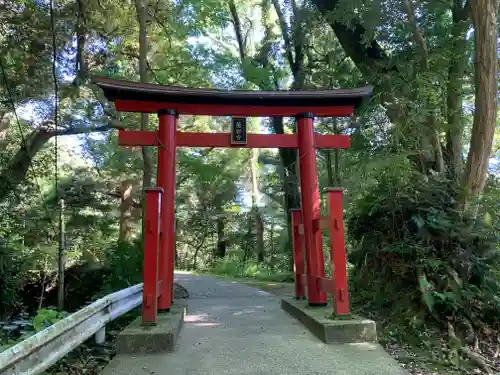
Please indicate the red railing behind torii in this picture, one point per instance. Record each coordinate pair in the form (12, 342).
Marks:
(151, 290)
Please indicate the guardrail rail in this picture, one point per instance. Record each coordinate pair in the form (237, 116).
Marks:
(40, 351)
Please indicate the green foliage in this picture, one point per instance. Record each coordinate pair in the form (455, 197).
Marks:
(125, 263)
(43, 319)
(46, 317)
(413, 248)
(8, 281)
(232, 266)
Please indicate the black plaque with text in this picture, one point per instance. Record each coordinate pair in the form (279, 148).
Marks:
(239, 131)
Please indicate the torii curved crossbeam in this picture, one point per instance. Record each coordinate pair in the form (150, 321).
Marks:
(142, 97)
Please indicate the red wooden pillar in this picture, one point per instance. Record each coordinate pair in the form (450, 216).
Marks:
(151, 255)
(337, 252)
(310, 209)
(298, 255)
(166, 180)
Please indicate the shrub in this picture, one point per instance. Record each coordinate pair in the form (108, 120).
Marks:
(125, 263)
(233, 266)
(413, 248)
(9, 280)
(47, 317)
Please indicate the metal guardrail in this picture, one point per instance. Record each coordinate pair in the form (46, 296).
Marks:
(40, 351)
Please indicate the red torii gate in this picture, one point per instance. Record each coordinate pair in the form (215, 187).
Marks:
(169, 102)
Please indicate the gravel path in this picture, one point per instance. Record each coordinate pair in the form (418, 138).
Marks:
(233, 329)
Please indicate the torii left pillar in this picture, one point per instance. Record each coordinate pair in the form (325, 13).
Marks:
(311, 212)
(166, 180)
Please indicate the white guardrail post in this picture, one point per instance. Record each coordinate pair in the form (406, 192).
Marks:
(40, 351)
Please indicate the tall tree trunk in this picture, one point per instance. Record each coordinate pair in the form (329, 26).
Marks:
(336, 155)
(80, 61)
(379, 69)
(259, 229)
(259, 224)
(290, 182)
(456, 72)
(194, 265)
(271, 238)
(220, 251)
(15, 171)
(329, 168)
(288, 156)
(295, 40)
(431, 133)
(126, 207)
(248, 238)
(368, 55)
(484, 17)
(176, 251)
(142, 13)
(436, 141)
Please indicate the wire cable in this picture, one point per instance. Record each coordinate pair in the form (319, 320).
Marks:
(56, 98)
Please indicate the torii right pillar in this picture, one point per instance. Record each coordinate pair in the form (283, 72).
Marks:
(311, 209)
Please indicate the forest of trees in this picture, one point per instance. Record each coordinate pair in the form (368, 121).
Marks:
(421, 179)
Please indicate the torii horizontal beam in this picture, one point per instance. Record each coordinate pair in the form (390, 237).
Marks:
(199, 139)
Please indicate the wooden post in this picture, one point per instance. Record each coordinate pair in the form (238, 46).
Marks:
(61, 259)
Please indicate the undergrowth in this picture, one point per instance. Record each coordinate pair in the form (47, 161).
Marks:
(9, 280)
(234, 267)
(421, 260)
(124, 261)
